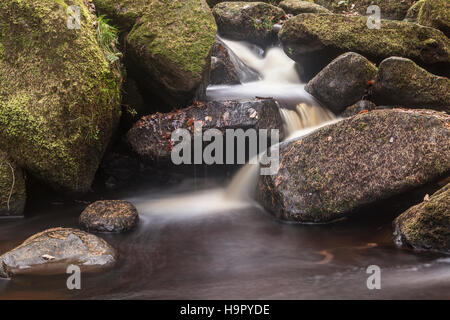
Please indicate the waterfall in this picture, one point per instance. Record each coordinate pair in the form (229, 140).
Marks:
(277, 78)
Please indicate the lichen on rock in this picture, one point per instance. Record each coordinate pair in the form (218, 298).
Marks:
(314, 40)
(426, 225)
(401, 82)
(346, 166)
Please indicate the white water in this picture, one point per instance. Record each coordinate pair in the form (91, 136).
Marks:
(276, 77)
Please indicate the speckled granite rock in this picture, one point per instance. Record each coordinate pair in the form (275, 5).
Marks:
(343, 82)
(358, 161)
(109, 216)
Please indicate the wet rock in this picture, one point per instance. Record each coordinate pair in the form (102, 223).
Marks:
(53, 250)
(358, 107)
(253, 21)
(56, 126)
(390, 9)
(314, 40)
(426, 225)
(151, 136)
(296, 7)
(118, 168)
(435, 14)
(222, 68)
(109, 216)
(356, 162)
(169, 50)
(401, 82)
(12, 188)
(343, 82)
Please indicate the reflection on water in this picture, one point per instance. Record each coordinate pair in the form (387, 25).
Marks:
(232, 253)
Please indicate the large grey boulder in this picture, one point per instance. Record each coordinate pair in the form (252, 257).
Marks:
(343, 82)
(314, 40)
(358, 161)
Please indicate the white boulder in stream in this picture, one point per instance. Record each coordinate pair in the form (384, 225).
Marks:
(52, 250)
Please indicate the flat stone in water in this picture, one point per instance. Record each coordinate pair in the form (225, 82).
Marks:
(57, 248)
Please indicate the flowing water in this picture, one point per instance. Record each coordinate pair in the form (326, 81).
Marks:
(207, 238)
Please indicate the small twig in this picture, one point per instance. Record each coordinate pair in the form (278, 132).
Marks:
(13, 183)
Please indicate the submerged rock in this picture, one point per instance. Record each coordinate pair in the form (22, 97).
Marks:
(343, 82)
(248, 21)
(390, 9)
(151, 136)
(403, 83)
(59, 97)
(222, 68)
(109, 216)
(12, 188)
(169, 50)
(426, 225)
(53, 250)
(298, 6)
(435, 14)
(356, 162)
(314, 40)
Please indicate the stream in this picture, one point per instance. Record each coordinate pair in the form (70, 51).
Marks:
(205, 238)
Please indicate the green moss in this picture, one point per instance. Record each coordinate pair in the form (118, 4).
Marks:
(435, 14)
(180, 31)
(426, 226)
(350, 33)
(46, 122)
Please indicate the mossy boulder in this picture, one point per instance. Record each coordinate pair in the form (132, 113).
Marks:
(212, 3)
(435, 14)
(314, 40)
(53, 250)
(248, 21)
(298, 6)
(390, 9)
(343, 82)
(124, 13)
(413, 11)
(59, 98)
(12, 188)
(169, 49)
(109, 216)
(401, 82)
(426, 226)
(346, 166)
